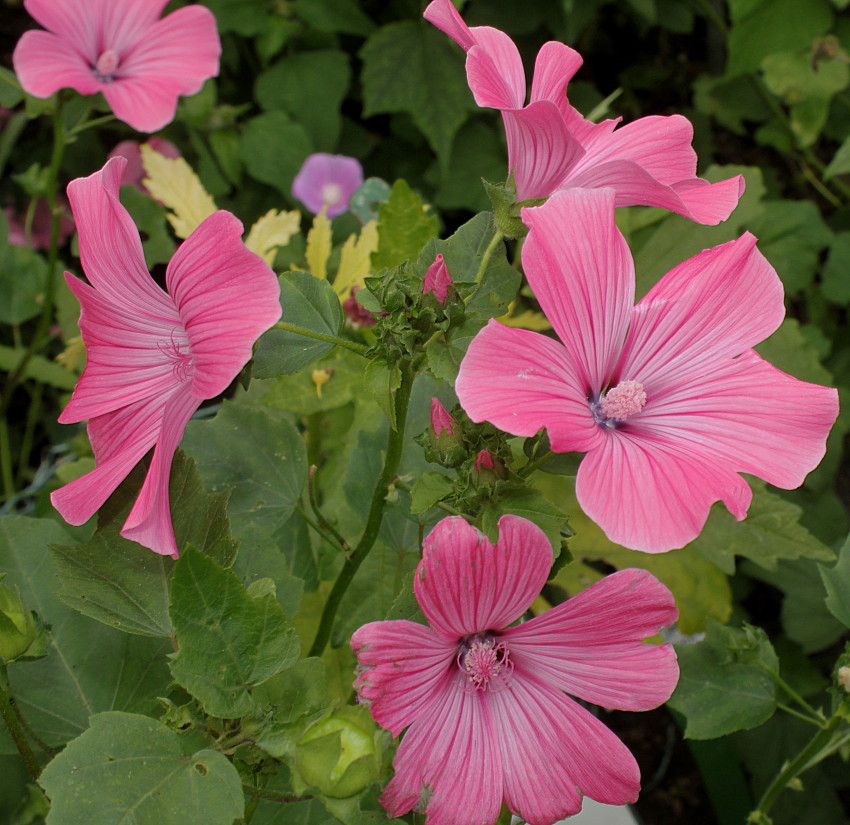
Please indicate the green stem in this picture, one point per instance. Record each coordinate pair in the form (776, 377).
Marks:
(360, 349)
(528, 469)
(488, 253)
(395, 445)
(273, 796)
(7, 711)
(821, 745)
(816, 716)
(90, 124)
(52, 257)
(804, 716)
(29, 431)
(6, 460)
(325, 525)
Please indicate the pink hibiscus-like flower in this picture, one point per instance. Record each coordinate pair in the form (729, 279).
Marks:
(153, 356)
(487, 720)
(327, 181)
(551, 146)
(121, 48)
(667, 398)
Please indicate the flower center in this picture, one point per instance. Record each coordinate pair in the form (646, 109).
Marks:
(178, 354)
(486, 663)
(619, 403)
(107, 63)
(331, 194)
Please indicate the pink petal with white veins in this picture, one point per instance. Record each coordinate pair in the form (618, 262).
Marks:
(119, 344)
(450, 757)
(227, 297)
(466, 585)
(74, 22)
(110, 247)
(750, 415)
(45, 63)
(540, 148)
(445, 16)
(591, 645)
(407, 665)
(120, 440)
(494, 70)
(554, 67)
(149, 522)
(551, 746)
(522, 381)
(581, 272)
(713, 306)
(123, 23)
(653, 493)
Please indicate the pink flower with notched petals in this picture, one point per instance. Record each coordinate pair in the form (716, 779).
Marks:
(551, 146)
(667, 398)
(121, 48)
(153, 356)
(487, 720)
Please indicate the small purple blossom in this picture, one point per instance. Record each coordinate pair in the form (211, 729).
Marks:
(327, 181)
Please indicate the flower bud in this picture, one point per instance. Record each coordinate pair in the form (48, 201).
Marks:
(356, 312)
(338, 754)
(487, 469)
(18, 630)
(443, 440)
(438, 280)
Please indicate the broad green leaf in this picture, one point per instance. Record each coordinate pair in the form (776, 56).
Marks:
(405, 605)
(724, 685)
(257, 453)
(764, 27)
(310, 86)
(835, 283)
(89, 667)
(411, 67)
(381, 381)
(332, 16)
(131, 769)
(791, 235)
(788, 349)
(245, 17)
(770, 532)
(228, 640)
(404, 226)
(37, 368)
(23, 273)
(273, 148)
(11, 93)
(840, 163)
(149, 216)
(836, 580)
(530, 504)
(307, 302)
(427, 490)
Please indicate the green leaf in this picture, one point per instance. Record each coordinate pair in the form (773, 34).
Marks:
(792, 352)
(38, 368)
(405, 605)
(228, 641)
(309, 86)
(129, 768)
(840, 163)
(273, 148)
(427, 490)
(23, 273)
(332, 16)
(257, 453)
(411, 67)
(11, 93)
(723, 686)
(791, 235)
(836, 580)
(770, 532)
(149, 216)
(245, 17)
(764, 27)
(530, 504)
(834, 281)
(89, 667)
(381, 381)
(307, 302)
(403, 227)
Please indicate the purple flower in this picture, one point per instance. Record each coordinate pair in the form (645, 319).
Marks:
(327, 181)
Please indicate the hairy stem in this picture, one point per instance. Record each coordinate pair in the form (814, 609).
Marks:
(395, 444)
(16, 730)
(360, 349)
(488, 253)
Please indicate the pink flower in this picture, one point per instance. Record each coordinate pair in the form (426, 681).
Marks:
(437, 279)
(667, 398)
(135, 170)
(551, 146)
(154, 356)
(483, 703)
(121, 48)
(329, 181)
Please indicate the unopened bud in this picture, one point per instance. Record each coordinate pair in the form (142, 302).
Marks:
(320, 377)
(440, 418)
(438, 280)
(356, 312)
(843, 676)
(443, 440)
(19, 633)
(487, 469)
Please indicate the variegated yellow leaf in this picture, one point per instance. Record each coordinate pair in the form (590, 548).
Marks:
(354, 261)
(272, 231)
(172, 181)
(319, 245)
(525, 320)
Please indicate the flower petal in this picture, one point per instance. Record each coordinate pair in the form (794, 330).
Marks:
(73, 22)
(522, 381)
(110, 247)
(540, 148)
(227, 296)
(406, 666)
(125, 359)
(44, 63)
(591, 645)
(749, 415)
(467, 585)
(123, 23)
(552, 746)
(713, 306)
(580, 269)
(653, 493)
(149, 522)
(120, 440)
(450, 758)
